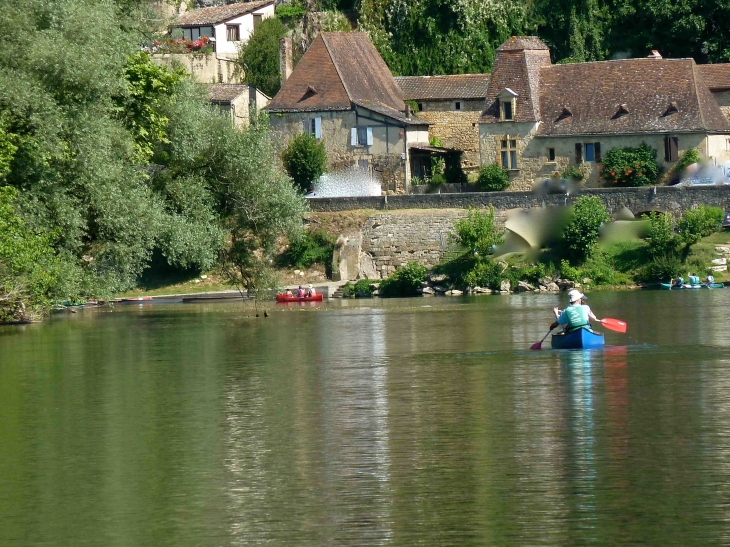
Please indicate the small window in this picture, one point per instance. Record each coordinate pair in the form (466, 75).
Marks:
(590, 152)
(313, 126)
(509, 154)
(257, 18)
(361, 136)
(506, 111)
(457, 105)
(551, 154)
(232, 34)
(420, 107)
(671, 148)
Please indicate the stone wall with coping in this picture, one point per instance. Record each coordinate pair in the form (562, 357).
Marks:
(418, 227)
(671, 199)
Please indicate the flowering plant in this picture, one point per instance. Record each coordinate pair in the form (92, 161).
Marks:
(630, 166)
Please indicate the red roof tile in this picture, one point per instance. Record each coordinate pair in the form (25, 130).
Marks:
(219, 14)
(460, 86)
(716, 77)
(594, 93)
(338, 69)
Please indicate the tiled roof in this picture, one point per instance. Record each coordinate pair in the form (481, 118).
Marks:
(594, 93)
(338, 69)
(219, 14)
(461, 86)
(394, 114)
(717, 77)
(225, 93)
(517, 67)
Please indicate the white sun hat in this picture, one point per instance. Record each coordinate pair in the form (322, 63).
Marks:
(575, 295)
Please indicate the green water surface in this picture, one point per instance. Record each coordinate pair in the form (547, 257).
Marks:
(379, 422)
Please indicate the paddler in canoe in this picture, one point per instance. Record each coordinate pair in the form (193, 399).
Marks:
(576, 316)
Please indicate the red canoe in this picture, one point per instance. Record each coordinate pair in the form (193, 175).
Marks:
(284, 298)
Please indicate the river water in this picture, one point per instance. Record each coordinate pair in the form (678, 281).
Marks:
(367, 422)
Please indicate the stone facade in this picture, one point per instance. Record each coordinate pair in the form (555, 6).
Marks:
(456, 129)
(532, 151)
(391, 240)
(386, 156)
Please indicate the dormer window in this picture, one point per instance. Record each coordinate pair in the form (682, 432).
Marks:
(566, 113)
(507, 100)
(621, 110)
(671, 109)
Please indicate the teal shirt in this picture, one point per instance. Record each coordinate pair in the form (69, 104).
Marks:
(575, 316)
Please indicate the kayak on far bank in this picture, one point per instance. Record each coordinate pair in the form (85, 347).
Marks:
(670, 286)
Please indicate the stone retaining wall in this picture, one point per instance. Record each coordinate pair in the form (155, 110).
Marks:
(670, 199)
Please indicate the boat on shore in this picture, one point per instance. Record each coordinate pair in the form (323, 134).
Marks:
(582, 338)
(286, 298)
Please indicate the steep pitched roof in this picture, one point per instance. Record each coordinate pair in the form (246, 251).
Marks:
(338, 69)
(717, 77)
(225, 93)
(459, 86)
(627, 96)
(219, 14)
(517, 67)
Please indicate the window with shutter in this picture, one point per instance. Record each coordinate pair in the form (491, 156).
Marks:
(318, 128)
(257, 18)
(671, 148)
(597, 151)
(362, 136)
(578, 153)
(589, 155)
(369, 137)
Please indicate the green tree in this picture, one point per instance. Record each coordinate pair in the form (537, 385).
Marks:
(258, 59)
(580, 236)
(478, 232)
(305, 159)
(149, 87)
(661, 237)
(699, 222)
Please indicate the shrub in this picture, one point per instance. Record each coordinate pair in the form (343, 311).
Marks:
(305, 160)
(688, 158)
(313, 247)
(662, 239)
(416, 181)
(661, 268)
(290, 11)
(573, 172)
(478, 231)
(630, 166)
(360, 289)
(581, 235)
(492, 178)
(484, 273)
(568, 271)
(699, 222)
(405, 281)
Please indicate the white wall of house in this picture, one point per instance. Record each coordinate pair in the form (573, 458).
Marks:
(245, 24)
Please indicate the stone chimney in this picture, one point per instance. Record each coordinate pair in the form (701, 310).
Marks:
(285, 59)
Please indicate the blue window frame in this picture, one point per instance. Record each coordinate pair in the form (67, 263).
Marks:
(590, 152)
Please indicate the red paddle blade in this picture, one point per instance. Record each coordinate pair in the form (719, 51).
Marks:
(614, 324)
(536, 345)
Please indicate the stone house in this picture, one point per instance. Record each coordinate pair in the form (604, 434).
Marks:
(237, 100)
(453, 105)
(227, 26)
(538, 118)
(343, 92)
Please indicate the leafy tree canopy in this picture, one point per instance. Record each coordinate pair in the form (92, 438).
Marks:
(258, 59)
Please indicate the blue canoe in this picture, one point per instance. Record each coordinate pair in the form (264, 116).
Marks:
(668, 286)
(578, 339)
